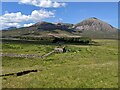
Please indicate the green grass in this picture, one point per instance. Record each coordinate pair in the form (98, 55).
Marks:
(80, 67)
(26, 48)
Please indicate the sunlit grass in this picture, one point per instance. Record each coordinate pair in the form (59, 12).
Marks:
(80, 67)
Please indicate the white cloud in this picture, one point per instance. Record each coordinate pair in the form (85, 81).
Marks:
(27, 25)
(43, 3)
(14, 19)
(41, 14)
(7, 25)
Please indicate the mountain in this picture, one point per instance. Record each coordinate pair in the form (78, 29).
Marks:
(94, 24)
(41, 29)
(91, 27)
(52, 26)
(10, 28)
(96, 28)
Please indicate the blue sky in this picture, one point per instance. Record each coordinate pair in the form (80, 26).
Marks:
(73, 12)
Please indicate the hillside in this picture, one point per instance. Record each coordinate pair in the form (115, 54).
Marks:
(91, 27)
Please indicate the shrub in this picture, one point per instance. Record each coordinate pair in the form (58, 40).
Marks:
(79, 40)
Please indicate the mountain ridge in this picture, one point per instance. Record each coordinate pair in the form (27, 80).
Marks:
(92, 25)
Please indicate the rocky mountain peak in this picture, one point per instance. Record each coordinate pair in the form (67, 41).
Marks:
(94, 24)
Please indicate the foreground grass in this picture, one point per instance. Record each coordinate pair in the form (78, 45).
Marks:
(80, 67)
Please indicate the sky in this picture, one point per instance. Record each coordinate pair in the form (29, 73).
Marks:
(26, 13)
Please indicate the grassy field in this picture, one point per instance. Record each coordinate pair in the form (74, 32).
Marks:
(82, 66)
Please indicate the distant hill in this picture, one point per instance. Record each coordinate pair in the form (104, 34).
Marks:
(10, 28)
(91, 27)
(52, 26)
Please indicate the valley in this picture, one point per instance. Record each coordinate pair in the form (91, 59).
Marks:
(90, 59)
